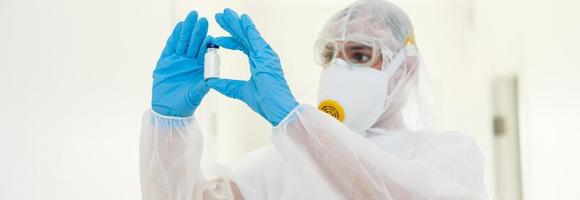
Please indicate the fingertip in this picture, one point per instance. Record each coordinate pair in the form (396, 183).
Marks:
(230, 11)
(203, 47)
(192, 16)
(208, 39)
(202, 23)
(246, 22)
(217, 16)
(178, 25)
(177, 28)
(202, 86)
(176, 31)
(246, 17)
(225, 42)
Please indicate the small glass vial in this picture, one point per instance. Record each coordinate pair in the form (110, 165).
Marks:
(212, 62)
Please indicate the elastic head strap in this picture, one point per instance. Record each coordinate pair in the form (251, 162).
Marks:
(408, 50)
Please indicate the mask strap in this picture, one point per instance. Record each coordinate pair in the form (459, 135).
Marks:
(409, 50)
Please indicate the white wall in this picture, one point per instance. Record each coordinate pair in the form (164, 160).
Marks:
(498, 52)
(536, 41)
(552, 100)
(75, 78)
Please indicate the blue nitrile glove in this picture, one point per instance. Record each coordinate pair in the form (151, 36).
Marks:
(266, 92)
(178, 85)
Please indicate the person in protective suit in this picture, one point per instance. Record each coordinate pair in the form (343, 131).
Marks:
(369, 138)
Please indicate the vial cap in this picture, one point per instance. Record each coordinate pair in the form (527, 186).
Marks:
(212, 45)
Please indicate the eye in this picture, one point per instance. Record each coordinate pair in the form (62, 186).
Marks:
(327, 57)
(327, 52)
(359, 57)
(358, 53)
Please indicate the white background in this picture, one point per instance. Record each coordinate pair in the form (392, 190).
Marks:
(75, 78)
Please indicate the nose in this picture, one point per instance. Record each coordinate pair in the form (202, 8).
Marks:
(340, 55)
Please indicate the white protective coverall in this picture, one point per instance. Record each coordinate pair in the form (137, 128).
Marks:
(314, 156)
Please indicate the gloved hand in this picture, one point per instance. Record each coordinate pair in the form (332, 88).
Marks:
(178, 85)
(266, 92)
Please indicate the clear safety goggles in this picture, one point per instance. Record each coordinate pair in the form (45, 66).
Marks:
(357, 52)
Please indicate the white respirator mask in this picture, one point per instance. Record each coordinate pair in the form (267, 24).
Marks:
(356, 96)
